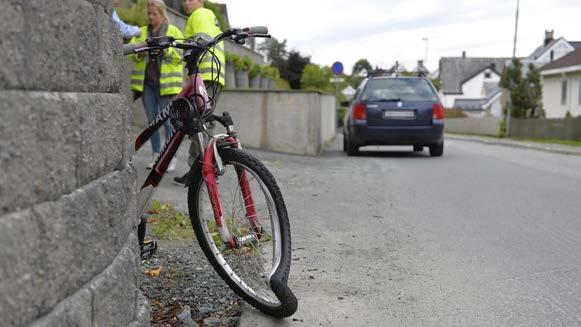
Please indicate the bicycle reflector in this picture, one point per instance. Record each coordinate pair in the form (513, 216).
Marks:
(182, 113)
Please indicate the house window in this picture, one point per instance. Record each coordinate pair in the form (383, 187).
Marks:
(552, 55)
(564, 92)
(487, 75)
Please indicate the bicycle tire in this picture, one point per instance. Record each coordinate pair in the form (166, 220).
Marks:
(287, 302)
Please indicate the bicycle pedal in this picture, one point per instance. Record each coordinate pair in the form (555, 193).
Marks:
(148, 249)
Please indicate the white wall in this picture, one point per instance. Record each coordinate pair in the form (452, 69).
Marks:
(472, 89)
(552, 95)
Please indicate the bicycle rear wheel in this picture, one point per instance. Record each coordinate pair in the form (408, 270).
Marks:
(257, 270)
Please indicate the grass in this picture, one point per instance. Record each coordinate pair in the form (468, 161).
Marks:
(523, 139)
(168, 223)
(551, 141)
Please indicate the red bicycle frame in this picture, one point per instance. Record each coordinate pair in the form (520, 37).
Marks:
(195, 89)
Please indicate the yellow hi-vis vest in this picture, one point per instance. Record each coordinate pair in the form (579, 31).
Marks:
(203, 22)
(171, 75)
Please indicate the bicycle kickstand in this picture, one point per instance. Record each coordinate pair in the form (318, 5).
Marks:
(149, 247)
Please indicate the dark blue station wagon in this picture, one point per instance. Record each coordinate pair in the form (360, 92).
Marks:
(395, 111)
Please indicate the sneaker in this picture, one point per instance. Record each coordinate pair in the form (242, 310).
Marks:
(150, 165)
(181, 180)
(172, 165)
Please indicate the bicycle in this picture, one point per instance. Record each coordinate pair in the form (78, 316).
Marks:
(241, 222)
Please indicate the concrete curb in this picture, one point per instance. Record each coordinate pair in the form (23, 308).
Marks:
(560, 149)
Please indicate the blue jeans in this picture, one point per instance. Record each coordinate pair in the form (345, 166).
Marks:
(154, 104)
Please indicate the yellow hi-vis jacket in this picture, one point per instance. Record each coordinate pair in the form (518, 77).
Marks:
(203, 22)
(171, 75)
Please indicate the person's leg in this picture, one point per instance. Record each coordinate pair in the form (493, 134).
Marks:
(162, 103)
(149, 97)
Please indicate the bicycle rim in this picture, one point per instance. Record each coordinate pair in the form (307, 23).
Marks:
(251, 266)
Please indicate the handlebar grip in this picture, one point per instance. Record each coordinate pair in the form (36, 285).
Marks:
(257, 30)
(132, 48)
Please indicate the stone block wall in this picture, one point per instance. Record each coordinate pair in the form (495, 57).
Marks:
(68, 248)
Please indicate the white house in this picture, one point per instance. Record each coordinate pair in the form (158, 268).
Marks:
(472, 84)
(562, 86)
(551, 50)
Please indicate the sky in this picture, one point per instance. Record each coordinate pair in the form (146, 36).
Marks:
(383, 31)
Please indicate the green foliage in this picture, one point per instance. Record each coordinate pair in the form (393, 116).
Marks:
(266, 72)
(134, 14)
(360, 65)
(282, 84)
(355, 80)
(437, 83)
(168, 223)
(525, 93)
(342, 113)
(276, 52)
(502, 128)
(316, 78)
(293, 70)
(289, 64)
(568, 115)
(254, 70)
(216, 9)
(454, 113)
(231, 57)
(238, 63)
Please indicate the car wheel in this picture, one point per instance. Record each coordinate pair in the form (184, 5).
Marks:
(418, 148)
(352, 150)
(437, 150)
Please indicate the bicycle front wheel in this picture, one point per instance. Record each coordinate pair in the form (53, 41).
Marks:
(255, 214)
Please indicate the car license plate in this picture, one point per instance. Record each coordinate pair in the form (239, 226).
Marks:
(399, 114)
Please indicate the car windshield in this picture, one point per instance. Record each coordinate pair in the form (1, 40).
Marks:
(402, 89)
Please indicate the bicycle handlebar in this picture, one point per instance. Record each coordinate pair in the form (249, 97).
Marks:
(164, 42)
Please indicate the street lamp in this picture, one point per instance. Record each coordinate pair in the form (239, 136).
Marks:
(509, 110)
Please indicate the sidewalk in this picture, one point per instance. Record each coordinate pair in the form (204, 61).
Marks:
(554, 148)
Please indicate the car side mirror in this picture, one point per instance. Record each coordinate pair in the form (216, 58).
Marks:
(345, 103)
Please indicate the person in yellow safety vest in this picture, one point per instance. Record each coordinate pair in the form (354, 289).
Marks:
(158, 76)
(202, 23)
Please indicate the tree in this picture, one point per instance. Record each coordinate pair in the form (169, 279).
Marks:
(360, 65)
(293, 70)
(275, 51)
(316, 78)
(525, 93)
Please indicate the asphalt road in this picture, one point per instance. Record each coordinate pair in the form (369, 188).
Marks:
(485, 236)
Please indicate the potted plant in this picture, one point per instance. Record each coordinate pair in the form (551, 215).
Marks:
(254, 74)
(241, 68)
(265, 74)
(274, 76)
(230, 75)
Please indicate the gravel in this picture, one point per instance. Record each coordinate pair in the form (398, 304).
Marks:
(188, 292)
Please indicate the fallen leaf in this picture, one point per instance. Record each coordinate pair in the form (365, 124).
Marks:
(153, 272)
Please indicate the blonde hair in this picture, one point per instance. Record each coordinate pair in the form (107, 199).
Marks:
(160, 5)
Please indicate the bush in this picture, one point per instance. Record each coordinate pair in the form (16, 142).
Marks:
(267, 72)
(247, 63)
(454, 113)
(254, 70)
(342, 112)
(231, 57)
(238, 63)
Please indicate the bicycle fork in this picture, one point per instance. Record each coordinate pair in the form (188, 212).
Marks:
(212, 166)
